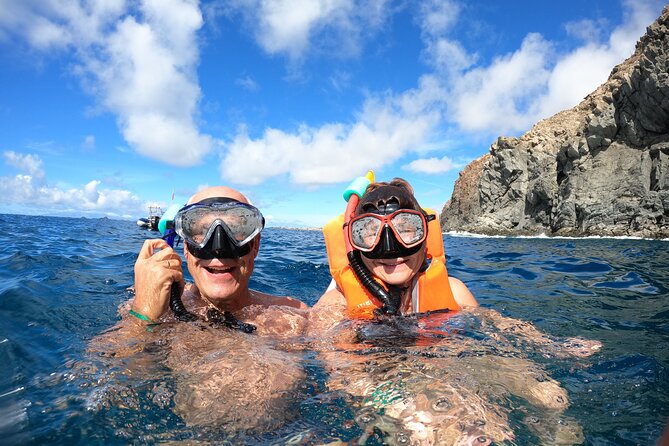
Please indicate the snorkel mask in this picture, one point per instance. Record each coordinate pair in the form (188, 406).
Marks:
(387, 224)
(218, 227)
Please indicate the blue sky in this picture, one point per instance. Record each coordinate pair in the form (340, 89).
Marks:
(108, 106)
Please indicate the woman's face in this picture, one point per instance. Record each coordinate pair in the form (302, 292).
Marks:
(398, 271)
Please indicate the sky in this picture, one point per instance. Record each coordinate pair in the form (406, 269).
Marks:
(109, 106)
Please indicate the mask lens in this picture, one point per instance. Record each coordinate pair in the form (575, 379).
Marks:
(409, 227)
(365, 232)
(242, 223)
(195, 226)
(197, 223)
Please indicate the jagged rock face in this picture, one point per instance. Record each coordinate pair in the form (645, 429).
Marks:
(601, 168)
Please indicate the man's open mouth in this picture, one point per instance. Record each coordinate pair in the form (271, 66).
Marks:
(219, 269)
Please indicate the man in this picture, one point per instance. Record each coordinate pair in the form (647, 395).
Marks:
(224, 379)
(221, 270)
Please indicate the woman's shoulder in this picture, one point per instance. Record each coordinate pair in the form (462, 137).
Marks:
(332, 297)
(461, 293)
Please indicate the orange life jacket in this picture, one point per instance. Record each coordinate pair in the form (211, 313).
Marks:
(431, 291)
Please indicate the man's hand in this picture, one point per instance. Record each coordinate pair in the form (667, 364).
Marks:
(156, 268)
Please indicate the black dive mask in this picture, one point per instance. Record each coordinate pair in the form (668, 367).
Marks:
(219, 246)
(218, 227)
(388, 247)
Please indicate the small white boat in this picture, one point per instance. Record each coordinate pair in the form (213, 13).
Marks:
(151, 223)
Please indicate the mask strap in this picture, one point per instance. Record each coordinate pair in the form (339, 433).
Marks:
(219, 200)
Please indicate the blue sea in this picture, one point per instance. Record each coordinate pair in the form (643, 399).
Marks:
(63, 279)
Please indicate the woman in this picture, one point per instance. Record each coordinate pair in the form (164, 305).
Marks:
(386, 256)
(398, 245)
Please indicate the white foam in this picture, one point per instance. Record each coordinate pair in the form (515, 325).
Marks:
(559, 237)
(471, 234)
(11, 392)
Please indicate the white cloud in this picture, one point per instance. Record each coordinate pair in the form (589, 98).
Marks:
(386, 129)
(88, 144)
(25, 191)
(247, 83)
(534, 82)
(138, 60)
(147, 76)
(447, 56)
(285, 28)
(438, 16)
(569, 82)
(432, 165)
(29, 190)
(54, 24)
(586, 30)
(500, 95)
(31, 164)
(282, 27)
(90, 192)
(511, 93)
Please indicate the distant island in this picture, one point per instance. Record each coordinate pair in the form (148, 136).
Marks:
(295, 228)
(600, 168)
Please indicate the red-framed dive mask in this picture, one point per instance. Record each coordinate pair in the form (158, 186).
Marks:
(398, 234)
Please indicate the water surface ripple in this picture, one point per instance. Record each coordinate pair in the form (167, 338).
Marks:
(63, 279)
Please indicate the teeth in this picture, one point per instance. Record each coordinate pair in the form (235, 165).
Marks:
(217, 270)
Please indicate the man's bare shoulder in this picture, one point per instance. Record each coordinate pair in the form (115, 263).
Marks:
(279, 316)
(268, 300)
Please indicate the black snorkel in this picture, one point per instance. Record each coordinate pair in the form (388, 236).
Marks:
(166, 228)
(390, 302)
(225, 319)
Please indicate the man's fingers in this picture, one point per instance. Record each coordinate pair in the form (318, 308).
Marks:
(150, 246)
(173, 262)
(177, 277)
(158, 251)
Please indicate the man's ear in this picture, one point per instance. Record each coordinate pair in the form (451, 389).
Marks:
(186, 253)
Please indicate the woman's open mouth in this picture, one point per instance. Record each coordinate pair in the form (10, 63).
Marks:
(392, 262)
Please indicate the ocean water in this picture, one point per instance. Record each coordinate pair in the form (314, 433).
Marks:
(63, 279)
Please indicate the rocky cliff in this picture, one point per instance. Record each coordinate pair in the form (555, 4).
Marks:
(600, 168)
